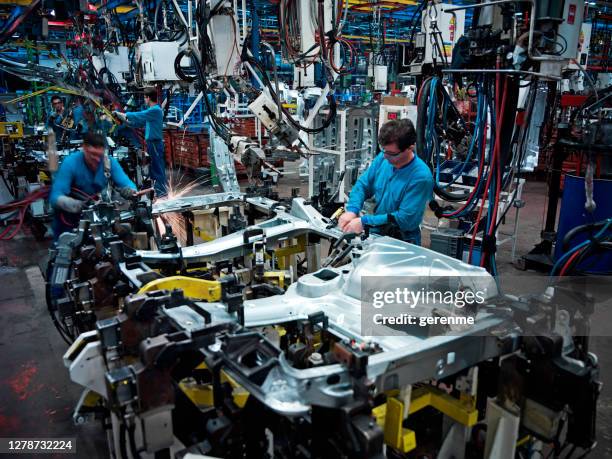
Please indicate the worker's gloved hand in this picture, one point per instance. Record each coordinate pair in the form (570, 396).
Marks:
(127, 193)
(70, 205)
(345, 219)
(120, 116)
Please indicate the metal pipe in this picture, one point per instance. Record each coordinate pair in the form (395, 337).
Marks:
(278, 97)
(517, 72)
(482, 5)
(254, 74)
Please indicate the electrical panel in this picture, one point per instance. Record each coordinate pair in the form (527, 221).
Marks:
(439, 34)
(266, 110)
(396, 112)
(380, 78)
(304, 77)
(224, 32)
(157, 60)
(584, 47)
(117, 62)
(450, 25)
(569, 31)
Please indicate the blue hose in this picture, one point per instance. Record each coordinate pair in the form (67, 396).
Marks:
(569, 253)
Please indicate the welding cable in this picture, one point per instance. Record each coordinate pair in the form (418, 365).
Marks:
(500, 180)
(475, 135)
(66, 336)
(580, 229)
(218, 126)
(571, 259)
(498, 169)
(412, 23)
(5, 236)
(599, 236)
(422, 116)
(492, 160)
(347, 46)
(36, 194)
(180, 72)
(431, 96)
(600, 241)
(495, 166)
(132, 438)
(593, 256)
(331, 101)
(21, 207)
(7, 31)
(472, 199)
(176, 34)
(520, 148)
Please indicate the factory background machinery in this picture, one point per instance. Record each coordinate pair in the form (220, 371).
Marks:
(232, 317)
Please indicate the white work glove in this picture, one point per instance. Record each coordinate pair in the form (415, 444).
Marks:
(120, 115)
(70, 205)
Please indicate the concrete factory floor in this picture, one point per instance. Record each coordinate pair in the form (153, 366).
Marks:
(38, 397)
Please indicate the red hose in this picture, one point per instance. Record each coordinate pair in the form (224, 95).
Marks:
(569, 262)
(24, 204)
(498, 170)
(18, 226)
(494, 161)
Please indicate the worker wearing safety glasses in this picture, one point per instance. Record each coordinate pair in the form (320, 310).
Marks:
(56, 117)
(400, 183)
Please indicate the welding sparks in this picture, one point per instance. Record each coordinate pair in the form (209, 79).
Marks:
(176, 188)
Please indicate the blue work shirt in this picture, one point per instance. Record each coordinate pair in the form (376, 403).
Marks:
(152, 119)
(78, 113)
(402, 193)
(74, 173)
(55, 122)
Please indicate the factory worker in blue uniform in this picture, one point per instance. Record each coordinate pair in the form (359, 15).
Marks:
(151, 119)
(400, 183)
(83, 174)
(56, 118)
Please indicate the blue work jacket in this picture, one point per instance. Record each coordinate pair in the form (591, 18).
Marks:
(400, 194)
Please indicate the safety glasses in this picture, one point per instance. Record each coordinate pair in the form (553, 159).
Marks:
(391, 154)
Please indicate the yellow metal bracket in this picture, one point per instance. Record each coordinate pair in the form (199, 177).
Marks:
(202, 395)
(198, 289)
(275, 277)
(283, 253)
(390, 416)
(462, 411)
(11, 129)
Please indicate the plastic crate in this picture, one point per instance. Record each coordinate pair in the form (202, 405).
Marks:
(448, 241)
(448, 169)
(468, 177)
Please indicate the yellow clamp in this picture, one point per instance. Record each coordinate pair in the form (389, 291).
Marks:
(198, 289)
